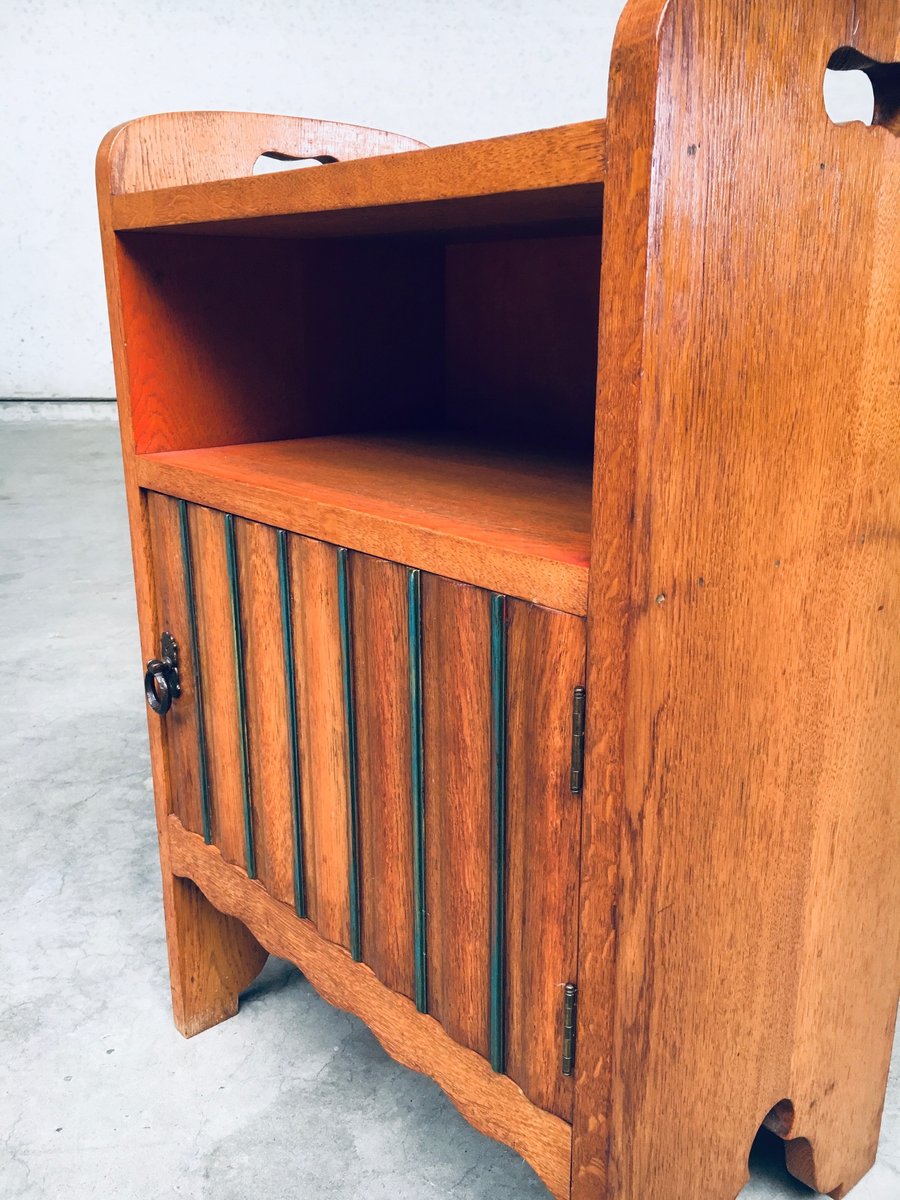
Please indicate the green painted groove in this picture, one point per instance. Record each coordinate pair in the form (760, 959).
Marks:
(187, 563)
(420, 931)
(350, 718)
(231, 554)
(498, 833)
(290, 683)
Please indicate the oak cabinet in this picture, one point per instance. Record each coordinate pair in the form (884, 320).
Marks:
(535, 691)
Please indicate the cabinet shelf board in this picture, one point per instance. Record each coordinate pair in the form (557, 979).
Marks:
(549, 179)
(516, 522)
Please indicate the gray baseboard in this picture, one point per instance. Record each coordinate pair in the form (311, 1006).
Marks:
(58, 410)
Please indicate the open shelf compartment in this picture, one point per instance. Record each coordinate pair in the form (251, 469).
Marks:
(428, 399)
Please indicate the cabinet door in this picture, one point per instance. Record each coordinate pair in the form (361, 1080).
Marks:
(498, 669)
(256, 743)
(228, 737)
(390, 753)
(182, 730)
(545, 663)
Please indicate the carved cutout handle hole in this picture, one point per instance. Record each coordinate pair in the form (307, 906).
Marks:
(271, 161)
(858, 88)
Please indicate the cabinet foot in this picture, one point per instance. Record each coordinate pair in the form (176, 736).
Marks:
(830, 1151)
(212, 958)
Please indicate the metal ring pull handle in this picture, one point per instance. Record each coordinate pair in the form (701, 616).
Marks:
(161, 682)
(156, 687)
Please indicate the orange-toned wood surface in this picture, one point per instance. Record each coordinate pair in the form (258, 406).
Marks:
(521, 340)
(545, 663)
(490, 1102)
(514, 521)
(239, 341)
(381, 685)
(456, 682)
(323, 750)
(739, 940)
(180, 730)
(190, 148)
(745, 665)
(266, 707)
(216, 650)
(551, 175)
(212, 958)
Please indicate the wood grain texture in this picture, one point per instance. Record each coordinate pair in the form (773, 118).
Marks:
(490, 1102)
(634, 65)
(211, 957)
(215, 958)
(548, 175)
(220, 708)
(739, 933)
(456, 687)
(235, 340)
(189, 148)
(179, 729)
(521, 340)
(545, 663)
(744, 665)
(266, 703)
(381, 687)
(513, 521)
(323, 757)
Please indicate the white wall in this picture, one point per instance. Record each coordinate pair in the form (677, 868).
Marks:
(440, 70)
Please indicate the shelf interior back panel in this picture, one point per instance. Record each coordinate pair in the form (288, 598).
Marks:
(513, 521)
(549, 179)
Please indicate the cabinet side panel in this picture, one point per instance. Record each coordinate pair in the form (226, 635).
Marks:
(381, 688)
(220, 693)
(545, 664)
(744, 608)
(180, 723)
(456, 682)
(323, 754)
(266, 702)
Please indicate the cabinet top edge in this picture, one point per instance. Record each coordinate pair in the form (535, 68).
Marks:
(558, 162)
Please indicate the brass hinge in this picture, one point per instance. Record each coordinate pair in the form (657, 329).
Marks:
(570, 1001)
(578, 706)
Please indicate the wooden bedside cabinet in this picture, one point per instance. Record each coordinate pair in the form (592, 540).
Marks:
(540, 704)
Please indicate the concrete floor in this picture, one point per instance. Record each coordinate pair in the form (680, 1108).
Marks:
(100, 1098)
